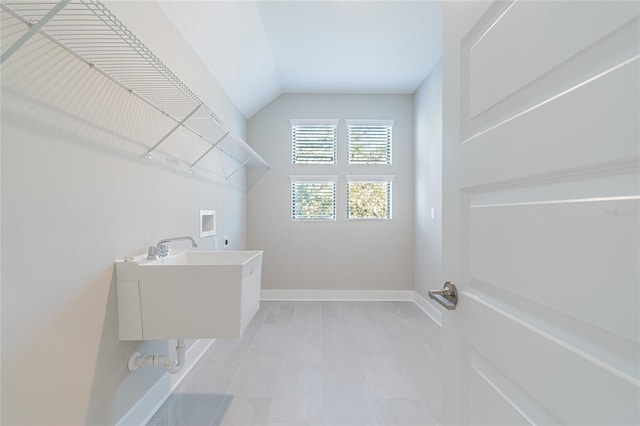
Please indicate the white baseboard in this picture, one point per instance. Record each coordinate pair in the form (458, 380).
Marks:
(355, 295)
(152, 400)
(431, 311)
(338, 295)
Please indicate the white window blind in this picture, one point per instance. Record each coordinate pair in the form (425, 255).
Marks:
(369, 197)
(313, 197)
(369, 142)
(314, 142)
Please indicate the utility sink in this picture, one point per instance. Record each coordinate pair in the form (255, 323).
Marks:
(188, 295)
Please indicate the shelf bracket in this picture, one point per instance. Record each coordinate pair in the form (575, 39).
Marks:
(257, 176)
(239, 167)
(34, 29)
(207, 151)
(172, 130)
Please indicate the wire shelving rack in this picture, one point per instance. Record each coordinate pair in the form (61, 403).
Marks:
(89, 31)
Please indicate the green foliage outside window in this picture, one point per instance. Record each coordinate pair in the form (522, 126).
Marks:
(313, 200)
(369, 200)
(369, 144)
(314, 144)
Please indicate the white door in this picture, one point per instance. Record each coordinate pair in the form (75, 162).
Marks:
(540, 212)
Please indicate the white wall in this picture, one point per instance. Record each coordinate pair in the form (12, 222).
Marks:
(76, 195)
(341, 254)
(428, 184)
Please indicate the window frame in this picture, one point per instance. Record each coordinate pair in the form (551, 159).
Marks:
(388, 179)
(309, 124)
(296, 179)
(388, 124)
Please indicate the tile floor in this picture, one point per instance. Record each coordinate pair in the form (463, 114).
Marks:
(317, 363)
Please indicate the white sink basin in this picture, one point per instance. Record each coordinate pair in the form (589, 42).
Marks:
(188, 295)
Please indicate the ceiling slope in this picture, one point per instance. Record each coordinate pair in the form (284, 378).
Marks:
(258, 50)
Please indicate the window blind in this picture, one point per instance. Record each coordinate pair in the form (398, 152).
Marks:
(369, 143)
(314, 144)
(313, 198)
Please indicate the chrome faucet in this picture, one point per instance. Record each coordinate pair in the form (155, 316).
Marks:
(161, 249)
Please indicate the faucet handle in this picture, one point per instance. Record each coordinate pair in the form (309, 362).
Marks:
(163, 249)
(152, 254)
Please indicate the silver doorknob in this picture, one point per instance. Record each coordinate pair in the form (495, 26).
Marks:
(447, 297)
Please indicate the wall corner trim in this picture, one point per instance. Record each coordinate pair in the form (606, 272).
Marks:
(426, 307)
(147, 406)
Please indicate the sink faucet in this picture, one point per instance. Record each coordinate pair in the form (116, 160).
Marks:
(161, 249)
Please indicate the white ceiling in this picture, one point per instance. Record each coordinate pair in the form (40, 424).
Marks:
(258, 50)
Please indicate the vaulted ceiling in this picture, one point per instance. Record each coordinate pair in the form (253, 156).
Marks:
(258, 50)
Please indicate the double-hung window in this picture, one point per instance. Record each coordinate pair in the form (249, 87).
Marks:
(313, 197)
(369, 141)
(314, 141)
(369, 197)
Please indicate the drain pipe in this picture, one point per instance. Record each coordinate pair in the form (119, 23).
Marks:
(137, 360)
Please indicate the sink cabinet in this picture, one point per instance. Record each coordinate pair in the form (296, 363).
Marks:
(188, 295)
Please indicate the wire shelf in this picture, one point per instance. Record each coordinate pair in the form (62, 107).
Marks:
(88, 30)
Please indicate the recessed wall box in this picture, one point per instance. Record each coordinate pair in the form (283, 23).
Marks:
(207, 223)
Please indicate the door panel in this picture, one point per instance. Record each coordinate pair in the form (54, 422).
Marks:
(502, 77)
(539, 252)
(559, 372)
(522, 45)
(502, 401)
(541, 210)
(483, 412)
(582, 132)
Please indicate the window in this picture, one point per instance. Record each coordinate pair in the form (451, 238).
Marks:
(369, 142)
(369, 197)
(314, 141)
(313, 197)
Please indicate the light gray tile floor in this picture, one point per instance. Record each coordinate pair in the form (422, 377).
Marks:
(317, 363)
